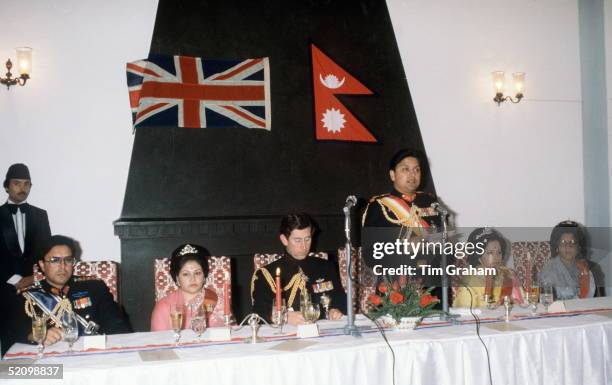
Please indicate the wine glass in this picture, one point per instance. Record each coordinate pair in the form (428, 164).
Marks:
(325, 301)
(39, 332)
(279, 315)
(533, 298)
(176, 321)
(546, 296)
(70, 328)
(198, 320)
(311, 312)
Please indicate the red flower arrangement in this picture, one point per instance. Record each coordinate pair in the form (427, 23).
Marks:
(383, 288)
(374, 299)
(427, 299)
(396, 297)
(400, 301)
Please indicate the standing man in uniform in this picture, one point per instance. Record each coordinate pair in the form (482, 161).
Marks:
(299, 272)
(24, 229)
(406, 208)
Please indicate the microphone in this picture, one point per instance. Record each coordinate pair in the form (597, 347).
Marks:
(440, 208)
(351, 201)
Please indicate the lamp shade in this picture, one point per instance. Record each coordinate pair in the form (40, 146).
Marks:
(24, 60)
(519, 82)
(499, 78)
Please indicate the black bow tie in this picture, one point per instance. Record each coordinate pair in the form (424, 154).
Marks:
(13, 208)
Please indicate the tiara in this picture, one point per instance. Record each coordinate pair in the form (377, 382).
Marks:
(486, 231)
(569, 222)
(188, 249)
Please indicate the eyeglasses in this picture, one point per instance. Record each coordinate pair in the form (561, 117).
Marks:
(568, 242)
(57, 260)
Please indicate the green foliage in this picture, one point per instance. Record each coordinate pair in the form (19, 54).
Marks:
(409, 304)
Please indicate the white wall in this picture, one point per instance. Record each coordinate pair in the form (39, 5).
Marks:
(608, 40)
(71, 123)
(516, 165)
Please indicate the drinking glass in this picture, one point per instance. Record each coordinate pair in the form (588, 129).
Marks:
(311, 312)
(279, 316)
(546, 296)
(70, 328)
(533, 299)
(198, 320)
(39, 332)
(176, 321)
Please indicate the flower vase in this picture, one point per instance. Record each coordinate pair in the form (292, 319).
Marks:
(408, 323)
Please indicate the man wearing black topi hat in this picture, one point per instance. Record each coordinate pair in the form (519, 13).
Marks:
(24, 230)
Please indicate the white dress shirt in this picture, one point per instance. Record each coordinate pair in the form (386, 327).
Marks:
(19, 220)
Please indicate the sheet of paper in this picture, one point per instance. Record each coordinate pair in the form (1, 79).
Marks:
(158, 355)
(293, 345)
(504, 327)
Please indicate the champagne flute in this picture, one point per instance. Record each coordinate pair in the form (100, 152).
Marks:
(176, 321)
(279, 315)
(39, 332)
(534, 297)
(546, 296)
(198, 320)
(70, 328)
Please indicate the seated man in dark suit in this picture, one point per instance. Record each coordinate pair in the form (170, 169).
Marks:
(24, 230)
(89, 298)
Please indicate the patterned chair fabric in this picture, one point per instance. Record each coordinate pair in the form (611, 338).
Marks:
(539, 252)
(218, 269)
(366, 280)
(106, 271)
(261, 260)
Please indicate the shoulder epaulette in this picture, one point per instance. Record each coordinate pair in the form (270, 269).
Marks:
(376, 197)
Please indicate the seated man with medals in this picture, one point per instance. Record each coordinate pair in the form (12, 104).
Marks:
(60, 292)
(299, 274)
(486, 290)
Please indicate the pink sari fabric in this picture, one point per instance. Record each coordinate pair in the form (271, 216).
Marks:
(160, 318)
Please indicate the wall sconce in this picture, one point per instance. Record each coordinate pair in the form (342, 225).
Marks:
(24, 65)
(499, 80)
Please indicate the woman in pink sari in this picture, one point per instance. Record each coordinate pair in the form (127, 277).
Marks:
(188, 268)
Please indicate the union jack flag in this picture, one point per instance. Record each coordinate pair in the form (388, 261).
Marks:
(194, 92)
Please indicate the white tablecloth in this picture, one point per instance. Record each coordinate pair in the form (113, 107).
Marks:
(561, 350)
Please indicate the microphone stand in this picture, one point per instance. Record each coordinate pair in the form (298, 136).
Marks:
(444, 263)
(443, 214)
(350, 328)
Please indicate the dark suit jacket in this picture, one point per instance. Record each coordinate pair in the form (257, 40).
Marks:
(12, 260)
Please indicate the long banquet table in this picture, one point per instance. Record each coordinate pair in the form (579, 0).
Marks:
(561, 348)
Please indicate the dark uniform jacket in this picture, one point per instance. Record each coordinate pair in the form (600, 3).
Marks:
(319, 276)
(90, 298)
(379, 215)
